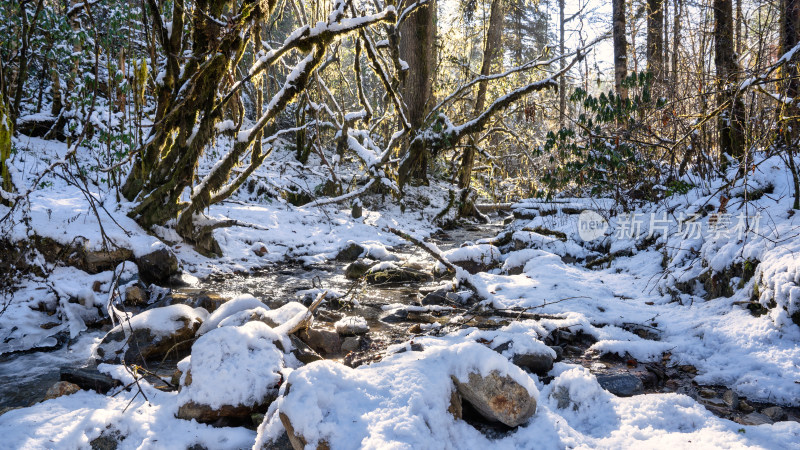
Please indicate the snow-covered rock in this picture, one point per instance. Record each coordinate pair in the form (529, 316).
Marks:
(233, 371)
(473, 258)
(151, 334)
(351, 325)
(405, 400)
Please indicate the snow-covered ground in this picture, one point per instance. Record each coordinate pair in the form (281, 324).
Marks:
(402, 401)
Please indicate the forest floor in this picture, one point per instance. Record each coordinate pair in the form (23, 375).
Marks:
(676, 326)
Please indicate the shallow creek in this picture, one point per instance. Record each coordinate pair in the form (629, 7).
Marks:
(24, 378)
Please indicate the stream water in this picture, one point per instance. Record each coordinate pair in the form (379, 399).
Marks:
(24, 378)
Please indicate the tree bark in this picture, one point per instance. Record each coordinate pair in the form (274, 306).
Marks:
(677, 11)
(790, 36)
(731, 120)
(22, 75)
(491, 49)
(418, 50)
(562, 80)
(655, 36)
(6, 131)
(620, 47)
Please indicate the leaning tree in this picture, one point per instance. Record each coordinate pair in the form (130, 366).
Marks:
(199, 50)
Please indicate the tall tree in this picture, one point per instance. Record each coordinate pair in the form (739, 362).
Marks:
(790, 36)
(491, 49)
(677, 12)
(790, 115)
(620, 46)
(418, 50)
(731, 119)
(655, 38)
(6, 130)
(562, 82)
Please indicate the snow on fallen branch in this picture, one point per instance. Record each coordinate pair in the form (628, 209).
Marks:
(341, 198)
(461, 275)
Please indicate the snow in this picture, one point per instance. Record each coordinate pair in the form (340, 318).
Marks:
(244, 308)
(351, 324)
(233, 306)
(163, 321)
(234, 366)
(406, 396)
(402, 401)
(73, 421)
(225, 125)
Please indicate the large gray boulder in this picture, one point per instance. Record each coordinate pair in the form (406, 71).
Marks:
(498, 398)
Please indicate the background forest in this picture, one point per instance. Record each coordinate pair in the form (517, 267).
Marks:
(502, 99)
(348, 224)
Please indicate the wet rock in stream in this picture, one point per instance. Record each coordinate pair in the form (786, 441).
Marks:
(754, 418)
(303, 352)
(387, 272)
(135, 296)
(357, 269)
(157, 266)
(351, 252)
(89, 378)
(326, 342)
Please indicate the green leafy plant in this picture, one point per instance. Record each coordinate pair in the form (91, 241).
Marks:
(603, 152)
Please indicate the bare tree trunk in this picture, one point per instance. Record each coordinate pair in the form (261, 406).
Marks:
(665, 42)
(417, 49)
(790, 36)
(562, 82)
(620, 47)
(655, 43)
(739, 40)
(677, 11)
(731, 135)
(22, 75)
(492, 48)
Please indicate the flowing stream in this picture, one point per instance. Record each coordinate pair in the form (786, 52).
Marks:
(25, 378)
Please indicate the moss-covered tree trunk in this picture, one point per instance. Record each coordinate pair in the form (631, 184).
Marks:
(6, 131)
(188, 106)
(192, 96)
